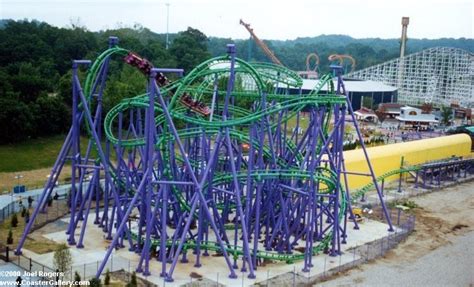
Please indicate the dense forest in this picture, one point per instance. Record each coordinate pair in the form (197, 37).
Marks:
(367, 52)
(35, 62)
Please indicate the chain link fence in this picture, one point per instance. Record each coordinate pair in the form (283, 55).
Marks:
(54, 210)
(89, 270)
(31, 265)
(334, 265)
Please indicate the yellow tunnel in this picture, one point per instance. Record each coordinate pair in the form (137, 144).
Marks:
(388, 157)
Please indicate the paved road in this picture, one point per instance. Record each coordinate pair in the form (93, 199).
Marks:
(449, 265)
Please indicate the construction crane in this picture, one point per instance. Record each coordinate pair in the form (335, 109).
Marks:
(341, 58)
(261, 44)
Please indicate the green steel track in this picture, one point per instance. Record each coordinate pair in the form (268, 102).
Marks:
(261, 73)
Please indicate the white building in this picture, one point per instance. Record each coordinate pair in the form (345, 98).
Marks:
(411, 117)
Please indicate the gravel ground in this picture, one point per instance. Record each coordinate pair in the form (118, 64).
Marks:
(440, 252)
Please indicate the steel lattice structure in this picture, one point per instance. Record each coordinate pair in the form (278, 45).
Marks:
(437, 75)
(209, 163)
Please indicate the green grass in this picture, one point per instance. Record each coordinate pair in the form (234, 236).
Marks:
(30, 155)
(36, 153)
(291, 123)
(39, 245)
(34, 159)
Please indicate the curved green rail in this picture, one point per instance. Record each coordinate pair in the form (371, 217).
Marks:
(236, 251)
(260, 74)
(366, 188)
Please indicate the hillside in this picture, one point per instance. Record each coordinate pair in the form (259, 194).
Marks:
(35, 65)
(367, 51)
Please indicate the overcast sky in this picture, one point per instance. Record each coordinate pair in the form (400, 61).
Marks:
(271, 19)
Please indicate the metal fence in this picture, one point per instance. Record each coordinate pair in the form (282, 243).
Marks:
(58, 208)
(88, 270)
(409, 191)
(334, 265)
(31, 265)
(361, 254)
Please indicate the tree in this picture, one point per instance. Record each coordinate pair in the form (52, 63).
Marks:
(28, 82)
(107, 277)
(77, 277)
(94, 282)
(190, 49)
(20, 119)
(10, 236)
(446, 115)
(367, 102)
(133, 280)
(14, 220)
(62, 258)
(381, 113)
(426, 108)
(27, 216)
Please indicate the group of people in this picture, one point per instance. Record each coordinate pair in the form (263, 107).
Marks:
(188, 100)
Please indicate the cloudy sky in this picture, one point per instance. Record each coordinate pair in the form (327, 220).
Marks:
(271, 19)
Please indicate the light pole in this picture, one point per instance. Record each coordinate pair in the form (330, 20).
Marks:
(17, 177)
(55, 183)
(167, 23)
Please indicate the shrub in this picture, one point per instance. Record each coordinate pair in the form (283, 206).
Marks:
(133, 280)
(107, 277)
(14, 221)
(10, 236)
(27, 216)
(77, 277)
(94, 282)
(404, 202)
(62, 258)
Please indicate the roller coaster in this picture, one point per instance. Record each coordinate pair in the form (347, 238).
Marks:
(213, 161)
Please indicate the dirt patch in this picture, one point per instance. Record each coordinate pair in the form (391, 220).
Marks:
(121, 278)
(442, 218)
(458, 227)
(439, 216)
(195, 275)
(358, 280)
(33, 179)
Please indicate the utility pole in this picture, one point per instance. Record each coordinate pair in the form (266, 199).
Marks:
(167, 24)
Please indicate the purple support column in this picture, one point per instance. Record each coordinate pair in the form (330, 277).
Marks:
(49, 185)
(92, 186)
(351, 113)
(198, 190)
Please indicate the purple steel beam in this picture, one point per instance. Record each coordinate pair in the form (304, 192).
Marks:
(341, 89)
(148, 162)
(198, 190)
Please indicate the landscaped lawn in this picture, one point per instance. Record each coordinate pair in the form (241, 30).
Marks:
(32, 161)
(29, 155)
(38, 246)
